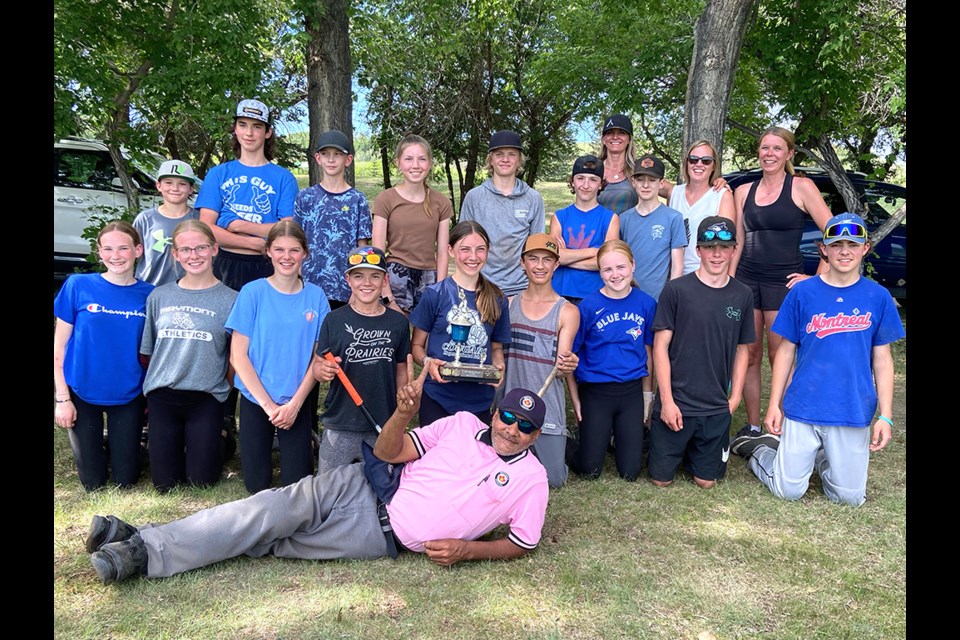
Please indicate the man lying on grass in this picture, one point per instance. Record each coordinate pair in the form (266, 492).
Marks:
(461, 480)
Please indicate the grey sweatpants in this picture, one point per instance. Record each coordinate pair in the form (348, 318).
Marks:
(329, 516)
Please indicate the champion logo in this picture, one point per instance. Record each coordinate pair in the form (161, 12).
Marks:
(822, 326)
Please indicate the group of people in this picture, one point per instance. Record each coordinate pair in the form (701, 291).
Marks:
(268, 291)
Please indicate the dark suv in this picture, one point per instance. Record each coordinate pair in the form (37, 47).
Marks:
(888, 258)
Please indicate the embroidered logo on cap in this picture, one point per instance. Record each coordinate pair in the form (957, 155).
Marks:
(646, 163)
(526, 402)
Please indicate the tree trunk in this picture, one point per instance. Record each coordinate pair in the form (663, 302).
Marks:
(889, 225)
(329, 71)
(829, 161)
(716, 49)
(449, 174)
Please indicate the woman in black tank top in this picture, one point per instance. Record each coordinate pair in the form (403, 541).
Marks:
(770, 216)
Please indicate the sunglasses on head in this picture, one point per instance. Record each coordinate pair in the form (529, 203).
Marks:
(524, 426)
(850, 229)
(364, 258)
(710, 234)
(706, 160)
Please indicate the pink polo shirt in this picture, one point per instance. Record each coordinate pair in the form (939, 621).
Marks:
(460, 488)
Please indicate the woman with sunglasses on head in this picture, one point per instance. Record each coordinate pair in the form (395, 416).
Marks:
(612, 387)
(187, 348)
(465, 297)
(770, 217)
(411, 222)
(274, 324)
(700, 195)
(98, 380)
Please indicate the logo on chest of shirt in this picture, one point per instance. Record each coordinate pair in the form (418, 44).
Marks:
(369, 344)
(656, 231)
(822, 326)
(501, 478)
(734, 314)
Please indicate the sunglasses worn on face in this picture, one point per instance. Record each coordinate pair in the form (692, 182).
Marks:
(364, 258)
(524, 426)
(710, 234)
(706, 160)
(851, 229)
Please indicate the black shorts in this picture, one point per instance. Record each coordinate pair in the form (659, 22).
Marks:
(703, 446)
(767, 296)
(237, 269)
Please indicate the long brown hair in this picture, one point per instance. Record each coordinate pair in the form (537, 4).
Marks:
(489, 296)
(409, 140)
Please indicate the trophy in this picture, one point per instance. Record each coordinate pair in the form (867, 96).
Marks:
(461, 322)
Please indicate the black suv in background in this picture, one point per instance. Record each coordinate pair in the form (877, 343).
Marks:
(888, 258)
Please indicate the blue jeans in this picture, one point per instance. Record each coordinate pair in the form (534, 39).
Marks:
(124, 424)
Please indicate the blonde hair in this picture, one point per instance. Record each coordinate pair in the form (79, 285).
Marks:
(685, 166)
(489, 296)
(408, 141)
(194, 225)
(784, 134)
(488, 162)
(617, 246)
(630, 158)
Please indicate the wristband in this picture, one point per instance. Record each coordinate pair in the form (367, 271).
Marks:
(886, 419)
(426, 359)
(62, 401)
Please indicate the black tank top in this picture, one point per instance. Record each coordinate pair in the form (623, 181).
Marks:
(772, 233)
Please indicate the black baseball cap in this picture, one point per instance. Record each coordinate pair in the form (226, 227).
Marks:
(504, 138)
(336, 139)
(618, 121)
(648, 165)
(526, 404)
(588, 164)
(716, 231)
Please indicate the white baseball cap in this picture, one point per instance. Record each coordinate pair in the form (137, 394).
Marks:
(176, 169)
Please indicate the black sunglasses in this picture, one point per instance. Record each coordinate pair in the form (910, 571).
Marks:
(524, 426)
(706, 160)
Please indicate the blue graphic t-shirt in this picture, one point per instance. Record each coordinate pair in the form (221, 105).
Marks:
(101, 362)
(333, 222)
(581, 230)
(835, 330)
(613, 335)
(433, 315)
(261, 194)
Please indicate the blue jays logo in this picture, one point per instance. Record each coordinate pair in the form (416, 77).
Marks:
(502, 478)
(636, 331)
(734, 313)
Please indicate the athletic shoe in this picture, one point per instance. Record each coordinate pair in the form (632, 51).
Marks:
(747, 430)
(746, 445)
(105, 529)
(118, 561)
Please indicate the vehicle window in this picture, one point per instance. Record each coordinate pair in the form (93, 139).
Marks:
(83, 170)
(148, 186)
(882, 205)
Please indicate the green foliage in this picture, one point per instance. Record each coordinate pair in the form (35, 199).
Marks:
(97, 218)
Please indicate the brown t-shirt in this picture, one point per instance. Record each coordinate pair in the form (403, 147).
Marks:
(411, 235)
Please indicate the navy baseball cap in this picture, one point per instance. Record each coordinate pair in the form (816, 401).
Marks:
(366, 257)
(336, 139)
(525, 404)
(618, 121)
(504, 138)
(845, 226)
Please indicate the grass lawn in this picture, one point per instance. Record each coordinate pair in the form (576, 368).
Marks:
(617, 560)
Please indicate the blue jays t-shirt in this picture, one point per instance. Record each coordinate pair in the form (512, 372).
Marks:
(613, 335)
